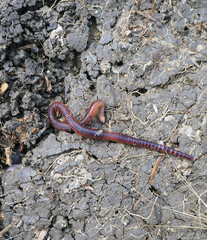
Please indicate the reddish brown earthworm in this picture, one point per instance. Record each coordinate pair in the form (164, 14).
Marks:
(98, 107)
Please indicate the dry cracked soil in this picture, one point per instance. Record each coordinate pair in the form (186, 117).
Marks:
(147, 61)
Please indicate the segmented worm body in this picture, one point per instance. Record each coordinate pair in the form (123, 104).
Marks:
(83, 130)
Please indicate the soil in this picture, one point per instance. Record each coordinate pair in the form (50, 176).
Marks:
(147, 60)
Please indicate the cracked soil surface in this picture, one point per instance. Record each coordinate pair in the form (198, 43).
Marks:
(147, 60)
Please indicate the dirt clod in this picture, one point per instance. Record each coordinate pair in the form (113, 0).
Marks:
(147, 61)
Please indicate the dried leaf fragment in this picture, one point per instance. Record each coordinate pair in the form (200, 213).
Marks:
(88, 188)
(3, 87)
(8, 153)
(48, 83)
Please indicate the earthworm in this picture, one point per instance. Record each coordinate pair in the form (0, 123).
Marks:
(83, 130)
(96, 107)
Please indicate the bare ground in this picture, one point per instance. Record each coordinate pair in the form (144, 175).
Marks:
(147, 60)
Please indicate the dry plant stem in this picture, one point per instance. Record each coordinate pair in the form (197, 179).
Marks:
(152, 174)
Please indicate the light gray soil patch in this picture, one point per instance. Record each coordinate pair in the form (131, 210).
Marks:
(149, 66)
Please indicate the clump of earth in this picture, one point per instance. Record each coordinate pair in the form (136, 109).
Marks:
(146, 60)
